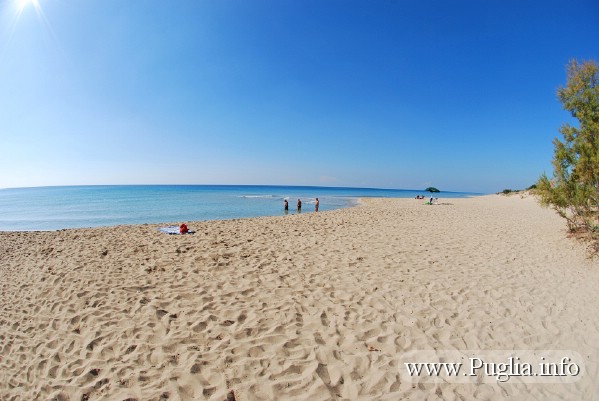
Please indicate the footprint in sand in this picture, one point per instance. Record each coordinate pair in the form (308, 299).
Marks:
(324, 319)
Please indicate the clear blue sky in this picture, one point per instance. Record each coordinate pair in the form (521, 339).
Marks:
(393, 94)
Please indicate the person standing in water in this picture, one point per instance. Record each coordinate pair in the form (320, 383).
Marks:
(316, 205)
(299, 205)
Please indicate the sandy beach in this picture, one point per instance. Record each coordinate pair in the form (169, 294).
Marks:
(317, 306)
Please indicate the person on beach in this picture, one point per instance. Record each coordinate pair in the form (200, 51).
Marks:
(316, 205)
(299, 205)
(183, 229)
(286, 205)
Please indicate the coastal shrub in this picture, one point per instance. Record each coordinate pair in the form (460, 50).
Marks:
(507, 191)
(573, 190)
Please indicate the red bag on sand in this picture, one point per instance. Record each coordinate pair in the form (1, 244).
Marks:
(183, 229)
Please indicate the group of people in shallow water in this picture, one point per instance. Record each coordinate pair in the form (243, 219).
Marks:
(299, 205)
(184, 230)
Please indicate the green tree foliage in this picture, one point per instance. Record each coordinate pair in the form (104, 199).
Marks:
(574, 189)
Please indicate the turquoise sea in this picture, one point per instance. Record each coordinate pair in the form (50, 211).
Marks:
(55, 208)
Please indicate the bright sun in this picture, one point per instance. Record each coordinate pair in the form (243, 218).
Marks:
(24, 3)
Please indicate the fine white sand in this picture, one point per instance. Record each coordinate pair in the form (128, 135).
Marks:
(317, 306)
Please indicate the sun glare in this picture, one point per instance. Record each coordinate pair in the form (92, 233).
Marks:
(21, 4)
(24, 8)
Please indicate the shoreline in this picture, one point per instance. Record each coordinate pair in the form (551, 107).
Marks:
(315, 306)
(51, 208)
(360, 201)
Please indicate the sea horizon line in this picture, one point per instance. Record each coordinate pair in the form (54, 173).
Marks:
(238, 185)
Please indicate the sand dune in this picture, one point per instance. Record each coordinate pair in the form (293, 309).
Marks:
(298, 307)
